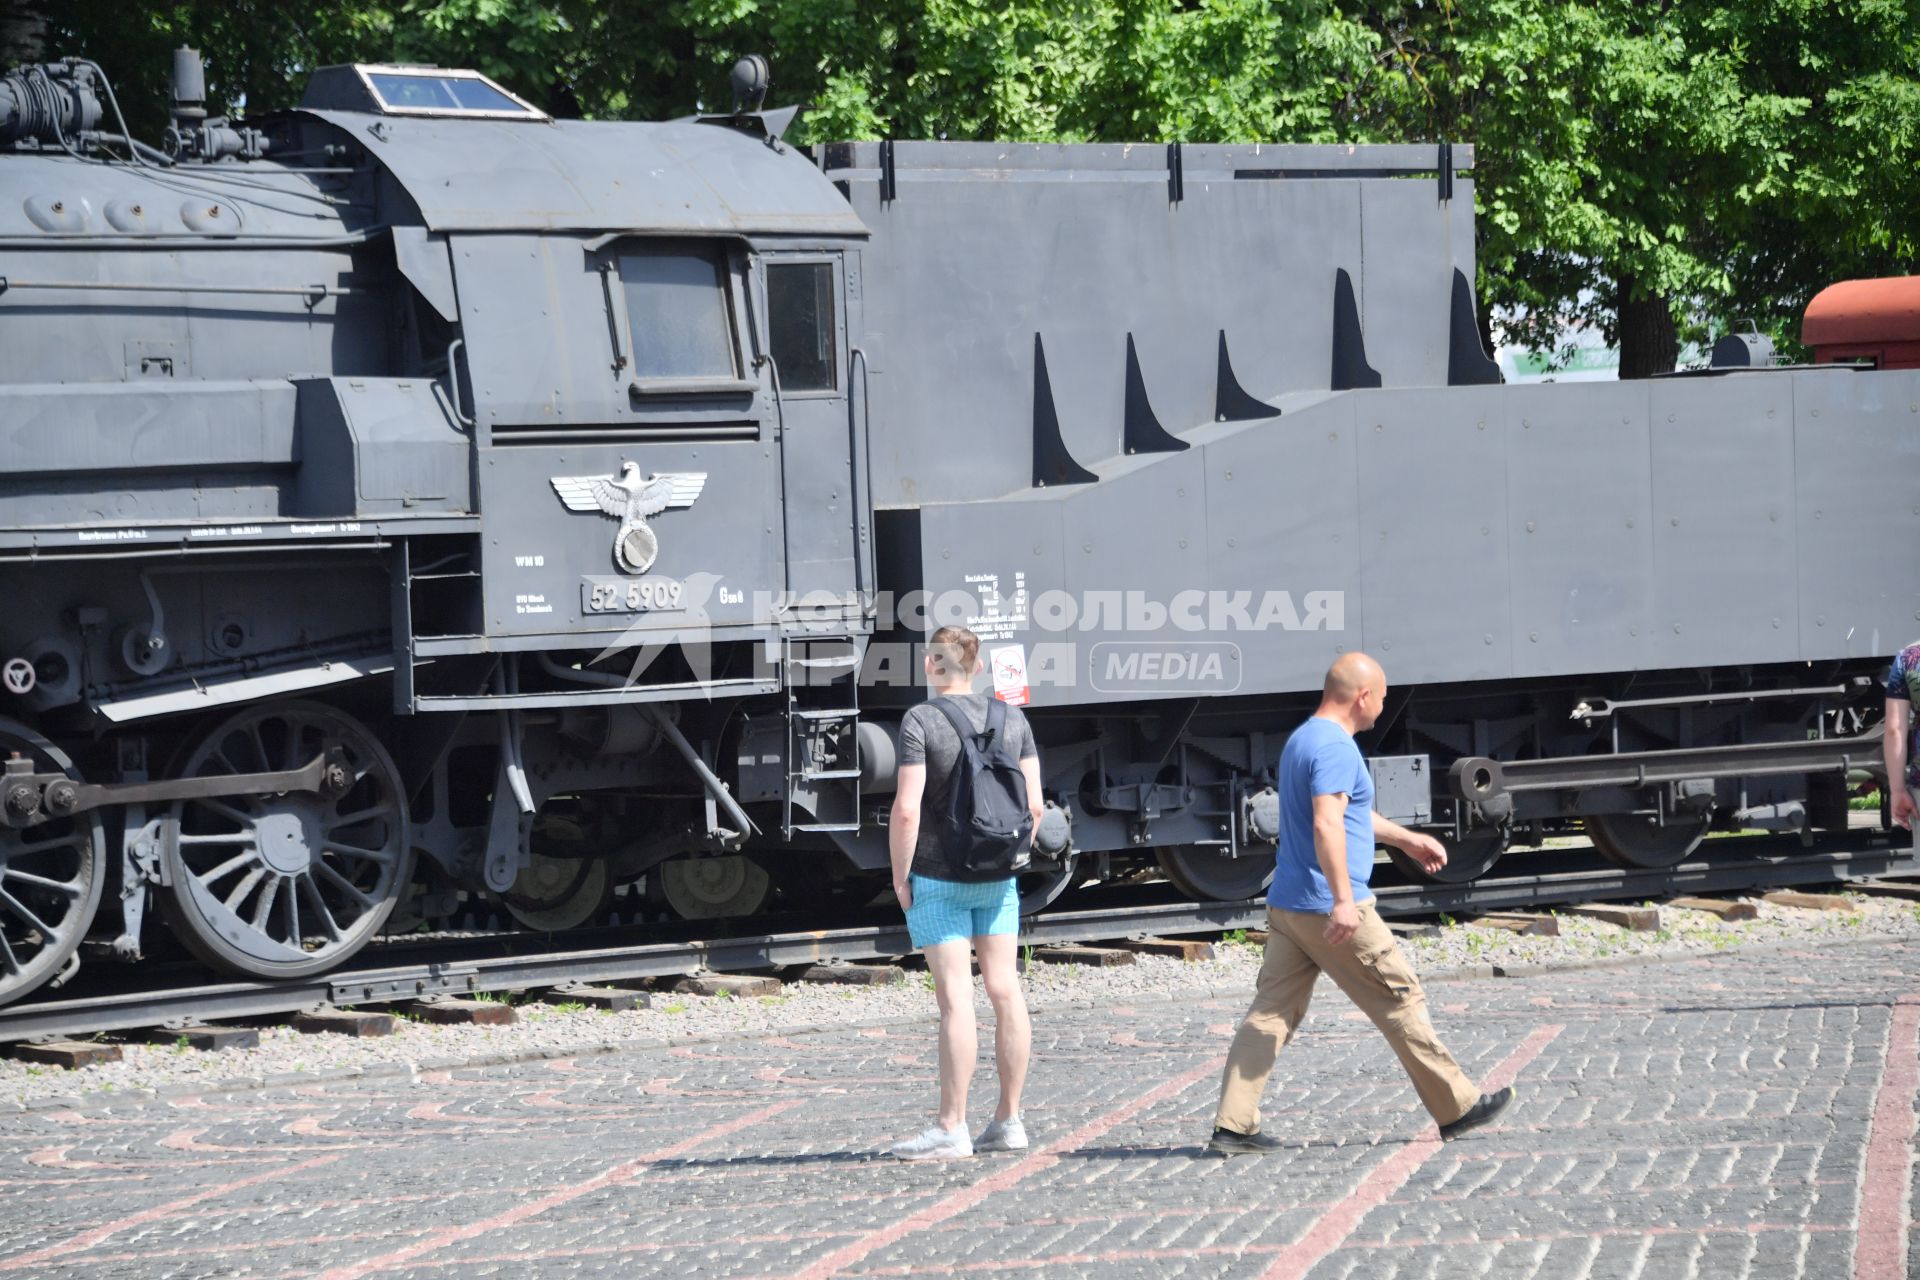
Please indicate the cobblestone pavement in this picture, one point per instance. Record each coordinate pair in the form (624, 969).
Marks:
(1745, 1115)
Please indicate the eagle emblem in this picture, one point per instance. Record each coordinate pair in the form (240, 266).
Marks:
(630, 500)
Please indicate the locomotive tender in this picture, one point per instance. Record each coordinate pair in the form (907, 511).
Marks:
(410, 496)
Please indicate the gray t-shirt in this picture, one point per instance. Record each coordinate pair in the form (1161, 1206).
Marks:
(927, 737)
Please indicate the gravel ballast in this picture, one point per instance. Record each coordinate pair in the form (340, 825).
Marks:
(285, 1057)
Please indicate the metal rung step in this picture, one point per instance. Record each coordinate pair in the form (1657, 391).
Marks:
(828, 773)
(826, 826)
(845, 661)
(828, 713)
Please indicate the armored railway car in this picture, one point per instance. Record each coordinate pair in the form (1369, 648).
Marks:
(411, 498)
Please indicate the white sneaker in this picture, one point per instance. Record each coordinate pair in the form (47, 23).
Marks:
(1002, 1135)
(936, 1144)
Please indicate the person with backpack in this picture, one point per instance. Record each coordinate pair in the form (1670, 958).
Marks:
(964, 811)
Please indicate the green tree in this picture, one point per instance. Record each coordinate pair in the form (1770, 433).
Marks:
(1643, 165)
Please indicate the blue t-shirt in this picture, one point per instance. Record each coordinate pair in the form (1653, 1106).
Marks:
(1320, 759)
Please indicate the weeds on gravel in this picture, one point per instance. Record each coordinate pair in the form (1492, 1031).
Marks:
(569, 1006)
(675, 1007)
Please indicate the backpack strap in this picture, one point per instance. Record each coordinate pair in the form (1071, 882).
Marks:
(995, 731)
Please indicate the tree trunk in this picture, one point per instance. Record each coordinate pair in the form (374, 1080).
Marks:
(23, 31)
(1648, 344)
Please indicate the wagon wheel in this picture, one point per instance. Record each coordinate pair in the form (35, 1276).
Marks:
(712, 888)
(551, 894)
(1467, 859)
(1044, 880)
(1638, 840)
(50, 878)
(291, 884)
(1207, 874)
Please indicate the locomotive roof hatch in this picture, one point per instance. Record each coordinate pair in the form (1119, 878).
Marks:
(414, 90)
(463, 149)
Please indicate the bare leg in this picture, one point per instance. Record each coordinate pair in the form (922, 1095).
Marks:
(1012, 1032)
(950, 964)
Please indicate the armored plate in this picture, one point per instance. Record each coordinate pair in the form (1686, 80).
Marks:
(1856, 439)
(1580, 526)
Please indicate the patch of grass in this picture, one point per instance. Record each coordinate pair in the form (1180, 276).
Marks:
(1234, 937)
(181, 1046)
(676, 1007)
(773, 999)
(570, 1006)
(1447, 921)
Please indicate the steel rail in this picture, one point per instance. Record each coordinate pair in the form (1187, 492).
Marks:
(465, 968)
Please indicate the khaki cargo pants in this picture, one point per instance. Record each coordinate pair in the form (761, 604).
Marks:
(1375, 976)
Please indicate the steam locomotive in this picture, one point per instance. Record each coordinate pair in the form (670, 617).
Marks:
(411, 499)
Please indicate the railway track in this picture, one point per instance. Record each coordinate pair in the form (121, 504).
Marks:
(410, 970)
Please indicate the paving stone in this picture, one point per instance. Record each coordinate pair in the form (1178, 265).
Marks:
(1711, 1116)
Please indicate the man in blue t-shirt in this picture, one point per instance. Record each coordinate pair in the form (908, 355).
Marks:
(1320, 917)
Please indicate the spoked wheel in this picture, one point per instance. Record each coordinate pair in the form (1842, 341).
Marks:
(710, 888)
(287, 885)
(50, 878)
(1203, 873)
(1637, 840)
(552, 893)
(1045, 880)
(1467, 859)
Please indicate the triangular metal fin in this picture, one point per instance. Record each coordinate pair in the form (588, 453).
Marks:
(1052, 464)
(1231, 402)
(1143, 432)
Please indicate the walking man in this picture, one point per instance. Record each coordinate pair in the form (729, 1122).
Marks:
(948, 907)
(1321, 917)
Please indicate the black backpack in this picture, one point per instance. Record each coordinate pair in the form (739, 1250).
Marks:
(987, 830)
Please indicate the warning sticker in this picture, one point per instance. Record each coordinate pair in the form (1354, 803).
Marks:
(1010, 674)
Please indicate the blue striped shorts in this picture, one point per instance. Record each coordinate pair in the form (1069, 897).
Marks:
(947, 911)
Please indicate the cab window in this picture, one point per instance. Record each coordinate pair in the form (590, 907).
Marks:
(800, 325)
(678, 313)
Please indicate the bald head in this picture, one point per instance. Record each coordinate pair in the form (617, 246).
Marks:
(1349, 674)
(1354, 688)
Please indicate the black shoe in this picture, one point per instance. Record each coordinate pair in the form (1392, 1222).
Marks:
(1489, 1106)
(1225, 1142)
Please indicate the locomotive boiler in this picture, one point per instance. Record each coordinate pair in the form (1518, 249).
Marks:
(410, 499)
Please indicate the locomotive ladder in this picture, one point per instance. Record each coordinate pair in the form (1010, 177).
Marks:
(823, 718)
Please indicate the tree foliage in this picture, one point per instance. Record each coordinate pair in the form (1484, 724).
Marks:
(1644, 166)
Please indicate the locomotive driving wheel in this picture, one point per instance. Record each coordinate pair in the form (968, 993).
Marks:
(1638, 839)
(292, 884)
(1468, 858)
(50, 878)
(1205, 873)
(712, 888)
